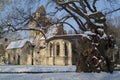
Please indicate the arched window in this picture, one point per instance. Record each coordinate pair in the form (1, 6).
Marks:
(58, 49)
(13, 57)
(66, 50)
(18, 59)
(9, 59)
(51, 46)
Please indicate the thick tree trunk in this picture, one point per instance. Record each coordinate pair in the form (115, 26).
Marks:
(81, 66)
(92, 47)
(94, 55)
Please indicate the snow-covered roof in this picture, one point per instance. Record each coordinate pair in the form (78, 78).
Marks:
(18, 44)
(52, 31)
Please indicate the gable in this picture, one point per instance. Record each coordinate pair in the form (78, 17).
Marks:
(18, 44)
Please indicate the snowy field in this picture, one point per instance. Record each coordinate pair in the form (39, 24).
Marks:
(54, 73)
(35, 69)
(62, 76)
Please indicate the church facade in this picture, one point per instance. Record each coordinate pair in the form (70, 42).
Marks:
(41, 50)
(55, 52)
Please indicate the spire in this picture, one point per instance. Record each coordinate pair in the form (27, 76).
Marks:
(41, 11)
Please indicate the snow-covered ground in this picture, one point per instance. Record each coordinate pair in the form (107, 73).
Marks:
(62, 76)
(36, 68)
(54, 73)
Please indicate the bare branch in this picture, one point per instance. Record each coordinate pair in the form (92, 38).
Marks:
(83, 6)
(27, 29)
(70, 26)
(94, 2)
(75, 18)
(112, 11)
(88, 6)
(53, 13)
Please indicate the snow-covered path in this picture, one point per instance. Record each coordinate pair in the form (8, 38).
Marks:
(62, 76)
(15, 72)
(35, 69)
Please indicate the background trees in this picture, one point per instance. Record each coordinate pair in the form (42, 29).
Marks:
(93, 49)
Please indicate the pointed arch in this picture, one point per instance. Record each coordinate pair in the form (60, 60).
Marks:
(51, 49)
(57, 49)
(66, 49)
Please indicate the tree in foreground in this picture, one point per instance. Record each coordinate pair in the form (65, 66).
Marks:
(96, 47)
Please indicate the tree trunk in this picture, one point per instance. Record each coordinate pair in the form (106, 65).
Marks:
(81, 66)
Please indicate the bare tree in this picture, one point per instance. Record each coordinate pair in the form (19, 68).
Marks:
(93, 49)
(19, 17)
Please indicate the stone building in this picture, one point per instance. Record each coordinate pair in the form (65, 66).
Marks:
(2, 52)
(59, 52)
(4, 42)
(20, 52)
(54, 52)
(41, 51)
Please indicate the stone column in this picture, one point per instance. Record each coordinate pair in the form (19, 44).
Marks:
(62, 49)
(69, 54)
(49, 57)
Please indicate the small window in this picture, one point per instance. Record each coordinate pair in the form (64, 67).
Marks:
(36, 60)
(51, 46)
(66, 50)
(58, 50)
(38, 52)
(14, 57)
(8, 58)
(6, 39)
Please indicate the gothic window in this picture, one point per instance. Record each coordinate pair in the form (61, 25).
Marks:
(36, 60)
(51, 46)
(58, 49)
(6, 39)
(14, 57)
(18, 59)
(9, 58)
(38, 52)
(66, 50)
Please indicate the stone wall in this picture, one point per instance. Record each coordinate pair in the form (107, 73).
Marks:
(57, 56)
(20, 56)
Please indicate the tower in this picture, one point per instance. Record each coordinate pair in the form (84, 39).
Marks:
(37, 22)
